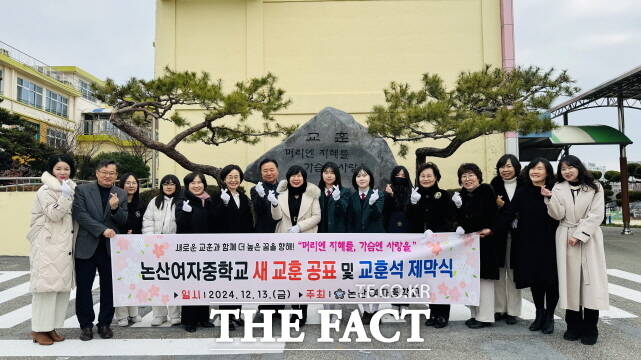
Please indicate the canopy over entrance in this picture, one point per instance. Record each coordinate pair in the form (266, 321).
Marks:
(622, 92)
(550, 144)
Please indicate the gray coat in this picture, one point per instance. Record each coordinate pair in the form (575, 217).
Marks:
(93, 219)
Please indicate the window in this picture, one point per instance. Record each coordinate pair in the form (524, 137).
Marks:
(56, 138)
(56, 103)
(85, 90)
(29, 93)
(1, 81)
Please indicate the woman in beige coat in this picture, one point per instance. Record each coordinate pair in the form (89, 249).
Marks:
(577, 201)
(51, 260)
(297, 209)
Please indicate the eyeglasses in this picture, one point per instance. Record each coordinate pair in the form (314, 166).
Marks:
(107, 173)
(232, 177)
(468, 176)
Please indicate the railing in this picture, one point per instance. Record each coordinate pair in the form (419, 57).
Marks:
(29, 184)
(65, 78)
(105, 127)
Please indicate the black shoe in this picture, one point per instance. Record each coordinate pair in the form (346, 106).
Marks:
(589, 336)
(469, 321)
(572, 334)
(367, 317)
(237, 321)
(499, 316)
(206, 324)
(510, 320)
(86, 334)
(301, 321)
(548, 323)
(190, 328)
(105, 332)
(430, 322)
(538, 321)
(440, 322)
(475, 324)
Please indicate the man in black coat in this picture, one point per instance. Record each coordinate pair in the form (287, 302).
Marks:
(100, 210)
(264, 223)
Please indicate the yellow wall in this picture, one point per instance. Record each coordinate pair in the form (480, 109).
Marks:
(14, 222)
(328, 53)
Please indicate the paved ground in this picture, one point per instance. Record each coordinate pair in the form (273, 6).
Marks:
(620, 328)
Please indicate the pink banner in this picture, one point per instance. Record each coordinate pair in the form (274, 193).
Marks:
(203, 269)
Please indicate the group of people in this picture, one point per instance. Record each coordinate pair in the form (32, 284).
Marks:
(536, 230)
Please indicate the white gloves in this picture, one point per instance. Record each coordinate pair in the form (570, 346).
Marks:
(336, 193)
(415, 196)
(272, 198)
(373, 197)
(224, 196)
(294, 229)
(260, 190)
(186, 206)
(428, 232)
(515, 223)
(66, 190)
(456, 198)
(460, 230)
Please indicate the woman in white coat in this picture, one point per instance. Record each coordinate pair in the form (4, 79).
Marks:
(160, 218)
(577, 200)
(51, 260)
(297, 209)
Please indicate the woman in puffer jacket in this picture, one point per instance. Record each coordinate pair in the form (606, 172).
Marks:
(160, 218)
(51, 260)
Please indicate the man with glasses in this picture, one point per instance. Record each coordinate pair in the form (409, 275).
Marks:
(99, 208)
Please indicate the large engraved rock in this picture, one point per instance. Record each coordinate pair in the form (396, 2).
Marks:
(331, 135)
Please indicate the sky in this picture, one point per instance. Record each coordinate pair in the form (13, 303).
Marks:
(594, 40)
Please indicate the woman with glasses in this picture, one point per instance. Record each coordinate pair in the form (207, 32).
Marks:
(135, 210)
(477, 212)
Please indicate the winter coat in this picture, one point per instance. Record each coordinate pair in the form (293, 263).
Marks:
(334, 213)
(478, 212)
(262, 209)
(435, 211)
(200, 220)
(160, 221)
(309, 214)
(534, 248)
(363, 217)
(135, 213)
(232, 218)
(395, 218)
(51, 237)
(500, 236)
(583, 280)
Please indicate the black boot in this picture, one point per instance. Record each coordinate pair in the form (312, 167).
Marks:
(574, 321)
(538, 321)
(590, 333)
(547, 327)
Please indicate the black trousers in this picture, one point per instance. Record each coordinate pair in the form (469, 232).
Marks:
(440, 310)
(85, 274)
(545, 296)
(193, 315)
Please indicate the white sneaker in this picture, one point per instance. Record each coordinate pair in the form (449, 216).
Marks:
(123, 322)
(157, 321)
(136, 319)
(175, 321)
